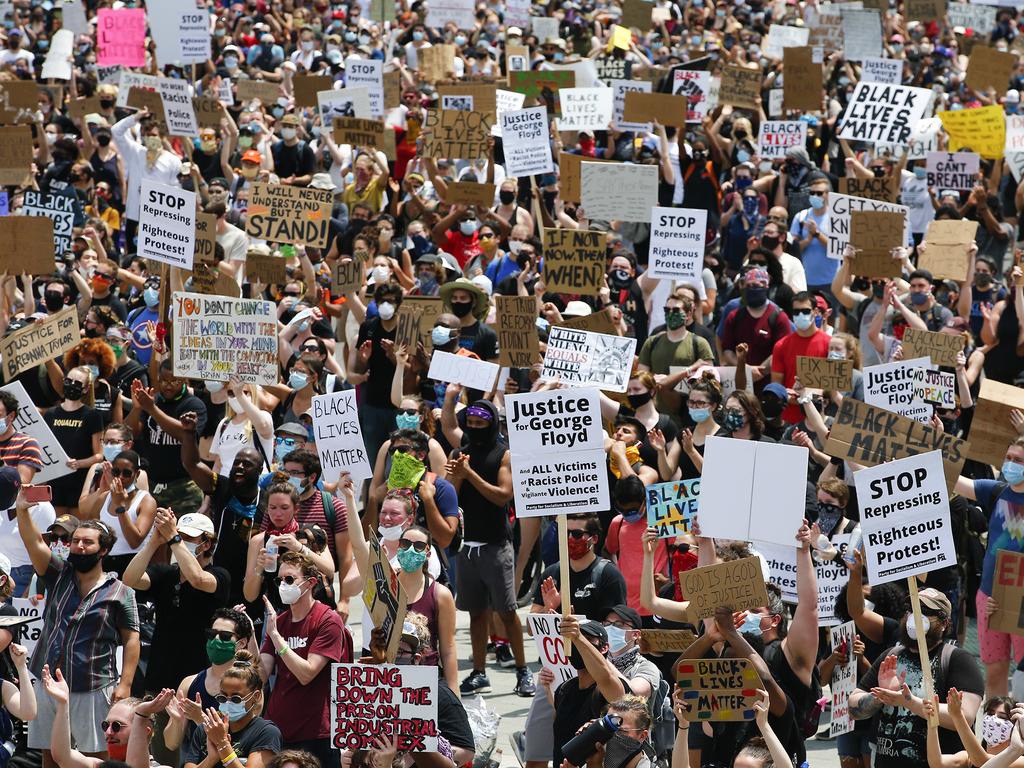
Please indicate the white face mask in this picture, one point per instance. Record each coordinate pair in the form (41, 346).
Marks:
(288, 133)
(390, 532)
(191, 547)
(235, 405)
(912, 626)
(386, 310)
(995, 730)
(290, 593)
(381, 274)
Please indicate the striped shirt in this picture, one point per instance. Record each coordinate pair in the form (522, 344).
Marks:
(311, 512)
(80, 635)
(21, 449)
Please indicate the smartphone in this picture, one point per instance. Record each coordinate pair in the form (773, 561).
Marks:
(37, 493)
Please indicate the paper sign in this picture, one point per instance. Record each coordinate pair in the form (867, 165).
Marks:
(348, 102)
(1008, 593)
(525, 141)
(988, 68)
(781, 37)
(992, 429)
(609, 68)
(736, 584)
(470, 193)
(585, 109)
(618, 192)
(672, 506)
(31, 615)
(205, 237)
(840, 208)
(121, 37)
(670, 640)
(862, 34)
(741, 86)
(216, 337)
(368, 74)
(595, 322)
(882, 188)
(443, 12)
(580, 358)
(459, 369)
(975, 16)
(982, 130)
(776, 137)
(935, 388)
(358, 132)
(942, 348)
(949, 170)
(729, 508)
(881, 113)
(694, 86)
(546, 631)
(29, 421)
(456, 135)
(339, 438)
(167, 225)
(306, 87)
(28, 245)
(543, 86)
(822, 373)
(830, 576)
(801, 87)
(518, 343)
(38, 342)
(874, 235)
(58, 208)
(888, 71)
(193, 36)
(57, 66)
(719, 690)
(385, 599)
(620, 88)
(905, 518)
(677, 242)
(574, 261)
(640, 108)
(844, 679)
(279, 213)
(569, 174)
(948, 243)
(891, 386)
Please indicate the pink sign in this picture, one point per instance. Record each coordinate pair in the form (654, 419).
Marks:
(121, 37)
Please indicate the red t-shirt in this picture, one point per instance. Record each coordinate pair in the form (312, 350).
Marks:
(784, 361)
(463, 248)
(760, 337)
(624, 542)
(293, 707)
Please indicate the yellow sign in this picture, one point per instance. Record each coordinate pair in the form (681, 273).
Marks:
(621, 37)
(981, 130)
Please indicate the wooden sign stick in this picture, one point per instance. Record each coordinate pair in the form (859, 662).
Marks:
(922, 649)
(563, 572)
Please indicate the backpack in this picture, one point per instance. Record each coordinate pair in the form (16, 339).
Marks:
(857, 315)
(944, 656)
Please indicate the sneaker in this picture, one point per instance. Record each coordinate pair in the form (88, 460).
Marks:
(503, 655)
(477, 682)
(518, 741)
(524, 683)
(491, 650)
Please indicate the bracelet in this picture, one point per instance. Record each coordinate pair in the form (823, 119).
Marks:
(229, 759)
(227, 746)
(283, 650)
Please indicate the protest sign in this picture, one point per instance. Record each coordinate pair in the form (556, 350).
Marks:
(976, 16)
(30, 616)
(546, 631)
(306, 87)
(429, 308)
(729, 508)
(442, 12)
(672, 506)
(830, 575)
(392, 89)
(718, 690)
(525, 141)
(28, 245)
(471, 97)
(544, 86)
(862, 34)
(79, 108)
(408, 331)
(165, 21)
(935, 388)
(949, 170)
(39, 341)
(618, 191)
(925, 10)
(347, 102)
(726, 376)
(216, 337)
(456, 135)
(609, 68)
(982, 130)
(121, 37)
(874, 188)
(826, 29)
(883, 113)
(280, 213)
(988, 68)
(248, 89)
(840, 208)
(994, 430)
(694, 85)
(209, 111)
(517, 58)
(370, 702)
(891, 386)
(670, 640)
(776, 137)
(595, 322)
(620, 88)
(177, 105)
(588, 109)
(517, 14)
(874, 235)
(267, 269)
(205, 237)
(557, 446)
(574, 261)
(436, 62)
(505, 101)
(775, 99)
(947, 255)
(193, 27)
(467, 371)
(844, 679)
(637, 13)
(15, 154)
(736, 584)
(143, 98)
(781, 37)
(905, 518)
(677, 242)
(1014, 133)
(1008, 593)
(339, 438)
(368, 74)
(470, 193)
(823, 373)
(801, 87)
(582, 358)
(640, 108)
(167, 225)
(385, 598)
(882, 71)
(518, 343)
(30, 422)
(357, 132)
(741, 86)
(58, 208)
(942, 348)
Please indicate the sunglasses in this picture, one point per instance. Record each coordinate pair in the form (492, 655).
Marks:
(419, 546)
(113, 726)
(408, 411)
(236, 699)
(220, 634)
(806, 311)
(115, 472)
(289, 441)
(579, 534)
(289, 580)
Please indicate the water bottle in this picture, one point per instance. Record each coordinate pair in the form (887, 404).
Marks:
(270, 566)
(584, 744)
(856, 542)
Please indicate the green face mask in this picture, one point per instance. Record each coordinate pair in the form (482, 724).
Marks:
(675, 320)
(220, 651)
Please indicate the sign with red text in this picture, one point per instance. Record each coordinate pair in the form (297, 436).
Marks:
(546, 630)
(369, 701)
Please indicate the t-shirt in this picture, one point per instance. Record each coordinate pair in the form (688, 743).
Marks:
(819, 268)
(588, 598)
(259, 735)
(452, 720)
(624, 542)
(74, 429)
(479, 339)
(19, 449)
(311, 512)
(784, 361)
(376, 391)
(759, 333)
(902, 735)
(162, 450)
(1005, 526)
(659, 353)
(302, 712)
(575, 707)
(295, 160)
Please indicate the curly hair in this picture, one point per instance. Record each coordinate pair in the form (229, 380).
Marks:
(710, 386)
(750, 405)
(95, 348)
(298, 757)
(246, 668)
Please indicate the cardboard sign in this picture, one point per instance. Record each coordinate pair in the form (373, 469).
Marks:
(205, 237)
(29, 421)
(79, 108)
(385, 598)
(719, 690)
(874, 188)
(882, 71)
(543, 87)
(546, 631)
(569, 174)
(248, 89)
(588, 109)
(925, 10)
(583, 359)
(776, 137)
(949, 170)
(618, 192)
(641, 108)
(358, 132)
(38, 342)
(891, 386)
(904, 511)
(518, 343)
(28, 245)
(988, 68)
(935, 388)
(667, 640)
(991, 429)
(741, 86)
(15, 153)
(456, 135)
(801, 88)
(436, 62)
(942, 348)
(348, 276)
(279, 213)
(392, 89)
(874, 235)
(517, 58)
(1008, 592)
(844, 679)
(167, 224)
(595, 322)
(470, 193)
(982, 130)
(60, 209)
(736, 584)
(121, 37)
(525, 142)
(840, 210)
(216, 337)
(408, 331)
(306, 87)
(339, 438)
(429, 308)
(470, 97)
(266, 269)
(822, 373)
(880, 113)
(574, 261)
(637, 13)
(672, 506)
(677, 242)
(209, 111)
(826, 29)
(557, 445)
(620, 89)
(467, 371)
(729, 507)
(694, 86)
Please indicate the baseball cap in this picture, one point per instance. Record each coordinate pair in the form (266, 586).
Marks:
(778, 390)
(936, 601)
(252, 156)
(594, 629)
(514, 32)
(292, 428)
(67, 523)
(629, 615)
(259, 249)
(10, 484)
(1012, 96)
(195, 524)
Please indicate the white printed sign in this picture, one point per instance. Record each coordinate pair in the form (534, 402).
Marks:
(178, 109)
(844, 679)
(885, 114)
(776, 137)
(369, 74)
(527, 146)
(339, 438)
(164, 18)
(618, 191)
(678, 238)
(546, 630)
(905, 517)
(781, 37)
(830, 575)
(837, 226)
(696, 87)
(585, 109)
(31, 631)
(505, 101)
(619, 90)
(55, 460)
(193, 35)
(58, 64)
(775, 99)
(167, 225)
(347, 102)
(892, 386)
(583, 358)
(459, 369)
(875, 70)
(952, 170)
(981, 18)
(441, 13)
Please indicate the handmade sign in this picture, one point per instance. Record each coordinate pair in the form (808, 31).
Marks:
(286, 214)
(776, 137)
(358, 132)
(205, 238)
(947, 255)
(569, 174)
(640, 108)
(546, 631)
(874, 188)
(408, 331)
(741, 86)
(348, 102)
(525, 142)
(429, 308)
(904, 510)
(667, 640)
(467, 371)
(840, 208)
(822, 373)
(60, 209)
(874, 235)
(994, 430)
(883, 113)
(974, 16)
(456, 135)
(209, 111)
(216, 337)
(925, 10)
(574, 261)
(1008, 593)
(248, 89)
(719, 690)
(677, 242)
(830, 576)
(15, 154)
(339, 438)
(38, 342)
(949, 170)
(28, 245)
(459, 12)
(436, 62)
(781, 37)
(801, 88)
(518, 343)
(695, 86)
(621, 89)
(167, 224)
(586, 109)
(306, 87)
(595, 322)
(844, 679)
(982, 130)
(736, 584)
(989, 68)
(672, 506)
(610, 68)
(470, 193)
(543, 86)
(581, 358)
(121, 37)
(267, 269)
(942, 348)
(368, 74)
(30, 422)
(891, 386)
(385, 599)
(862, 34)
(935, 388)
(618, 192)
(727, 378)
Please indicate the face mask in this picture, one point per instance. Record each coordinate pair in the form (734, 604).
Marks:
(407, 421)
(803, 322)
(507, 196)
(461, 308)
(742, 156)
(919, 298)
(632, 515)
(151, 296)
(817, 202)
(277, 112)
(381, 274)
(620, 749)
(620, 277)
(756, 297)
(771, 243)
(912, 626)
(234, 712)
(220, 651)
(751, 625)
(208, 146)
(251, 173)
(616, 638)
(297, 380)
(460, 40)
(83, 563)
(307, 45)
(637, 401)
(390, 532)
(920, 172)
(231, 62)
(245, 142)
(440, 335)
(1013, 472)
(386, 310)
(289, 593)
(836, 355)
(117, 751)
(995, 730)
(750, 205)
(427, 283)
(410, 560)
(288, 133)
(578, 548)
(73, 390)
(53, 300)
(467, 227)
(94, 370)
(733, 421)
(110, 452)
(772, 407)
(417, 36)
(829, 516)
(153, 143)
(700, 415)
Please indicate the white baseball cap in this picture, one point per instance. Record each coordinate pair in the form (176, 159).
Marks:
(195, 524)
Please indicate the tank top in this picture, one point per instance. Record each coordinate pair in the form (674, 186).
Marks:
(427, 606)
(485, 521)
(198, 686)
(121, 545)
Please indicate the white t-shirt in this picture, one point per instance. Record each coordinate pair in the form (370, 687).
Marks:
(42, 514)
(230, 438)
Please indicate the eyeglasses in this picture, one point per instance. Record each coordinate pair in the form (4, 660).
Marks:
(220, 634)
(236, 699)
(419, 546)
(804, 311)
(698, 403)
(617, 624)
(289, 580)
(113, 726)
(312, 348)
(578, 534)
(293, 294)
(115, 472)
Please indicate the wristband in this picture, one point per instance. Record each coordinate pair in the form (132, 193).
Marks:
(283, 650)
(229, 759)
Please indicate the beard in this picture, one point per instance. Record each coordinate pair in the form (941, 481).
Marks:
(932, 637)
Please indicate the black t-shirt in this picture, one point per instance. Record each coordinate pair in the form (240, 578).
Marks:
(183, 614)
(257, 736)
(123, 377)
(162, 451)
(573, 708)
(730, 738)
(479, 339)
(377, 390)
(296, 160)
(452, 720)
(588, 598)
(630, 300)
(233, 531)
(115, 304)
(74, 429)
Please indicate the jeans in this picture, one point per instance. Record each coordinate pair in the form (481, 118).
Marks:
(22, 577)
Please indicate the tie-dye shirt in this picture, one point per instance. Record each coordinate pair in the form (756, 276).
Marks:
(1005, 528)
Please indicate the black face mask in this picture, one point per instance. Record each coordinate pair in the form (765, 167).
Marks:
(772, 407)
(73, 390)
(461, 308)
(636, 401)
(878, 290)
(92, 333)
(771, 243)
(83, 563)
(53, 300)
(103, 139)
(506, 196)
(619, 278)
(477, 435)
(106, 104)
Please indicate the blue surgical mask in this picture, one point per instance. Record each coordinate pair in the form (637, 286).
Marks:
(407, 420)
(281, 450)
(460, 40)
(234, 712)
(836, 355)
(616, 638)
(214, 386)
(920, 172)
(417, 36)
(742, 156)
(803, 322)
(440, 335)
(1013, 472)
(110, 452)
(816, 201)
(230, 62)
(700, 415)
(297, 380)
(151, 296)
(751, 625)
(297, 484)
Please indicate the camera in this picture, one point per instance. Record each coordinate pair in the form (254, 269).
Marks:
(584, 744)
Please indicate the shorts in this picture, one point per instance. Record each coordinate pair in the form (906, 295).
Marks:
(87, 710)
(485, 578)
(183, 496)
(995, 646)
(854, 744)
(539, 729)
